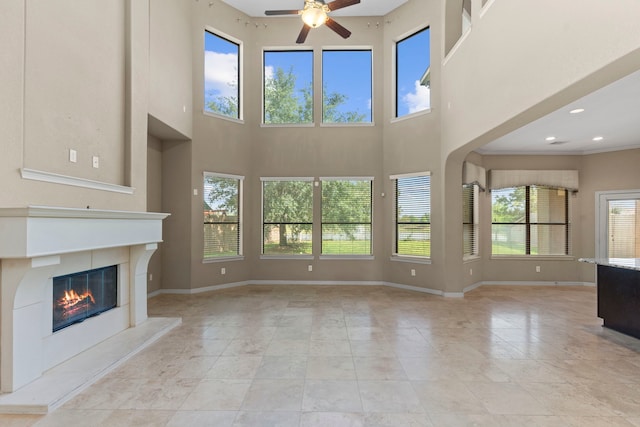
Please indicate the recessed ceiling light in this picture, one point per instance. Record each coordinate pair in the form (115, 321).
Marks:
(550, 138)
(577, 111)
(598, 138)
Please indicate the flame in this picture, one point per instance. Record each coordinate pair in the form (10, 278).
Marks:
(71, 298)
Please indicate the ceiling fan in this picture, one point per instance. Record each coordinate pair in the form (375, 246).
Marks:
(315, 13)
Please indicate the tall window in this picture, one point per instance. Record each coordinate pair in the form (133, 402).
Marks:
(413, 73)
(288, 87)
(346, 89)
(470, 220)
(413, 215)
(287, 216)
(222, 220)
(530, 220)
(221, 76)
(346, 216)
(623, 221)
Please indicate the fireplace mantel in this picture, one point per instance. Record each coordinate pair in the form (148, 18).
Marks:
(38, 243)
(37, 231)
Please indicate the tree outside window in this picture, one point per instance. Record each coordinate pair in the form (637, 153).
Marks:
(221, 76)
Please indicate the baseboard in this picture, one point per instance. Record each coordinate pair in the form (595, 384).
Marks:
(414, 288)
(365, 283)
(317, 282)
(533, 283)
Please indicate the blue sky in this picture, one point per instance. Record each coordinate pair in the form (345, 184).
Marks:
(343, 72)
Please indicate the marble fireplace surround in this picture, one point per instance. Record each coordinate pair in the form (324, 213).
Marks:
(39, 369)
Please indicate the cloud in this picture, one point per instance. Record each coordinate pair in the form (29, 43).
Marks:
(221, 73)
(419, 99)
(268, 72)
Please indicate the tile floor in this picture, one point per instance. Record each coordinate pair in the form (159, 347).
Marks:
(370, 356)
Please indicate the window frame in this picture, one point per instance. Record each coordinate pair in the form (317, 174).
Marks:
(240, 76)
(286, 256)
(602, 216)
(528, 224)
(266, 50)
(369, 256)
(474, 223)
(371, 122)
(395, 74)
(240, 225)
(395, 255)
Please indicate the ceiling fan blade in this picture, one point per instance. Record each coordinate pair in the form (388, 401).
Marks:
(303, 34)
(339, 4)
(281, 12)
(342, 31)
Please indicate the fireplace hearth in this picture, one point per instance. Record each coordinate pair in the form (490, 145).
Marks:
(78, 296)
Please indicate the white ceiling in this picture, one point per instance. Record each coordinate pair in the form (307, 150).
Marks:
(612, 112)
(365, 8)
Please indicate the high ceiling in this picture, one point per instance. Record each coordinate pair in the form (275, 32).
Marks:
(612, 113)
(365, 8)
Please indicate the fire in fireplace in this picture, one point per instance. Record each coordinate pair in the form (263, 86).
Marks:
(79, 296)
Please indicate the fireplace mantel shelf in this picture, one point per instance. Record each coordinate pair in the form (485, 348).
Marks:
(37, 231)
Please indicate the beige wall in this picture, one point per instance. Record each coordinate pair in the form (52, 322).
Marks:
(170, 64)
(76, 78)
(487, 85)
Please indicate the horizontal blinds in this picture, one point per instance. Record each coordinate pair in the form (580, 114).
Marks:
(624, 229)
(469, 220)
(346, 217)
(413, 215)
(287, 212)
(221, 216)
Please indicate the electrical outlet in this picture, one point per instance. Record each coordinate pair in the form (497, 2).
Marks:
(413, 272)
(471, 272)
(310, 267)
(223, 271)
(73, 155)
(537, 269)
(150, 277)
(96, 162)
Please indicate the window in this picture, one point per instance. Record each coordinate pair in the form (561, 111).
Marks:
(623, 218)
(287, 216)
(470, 220)
(413, 215)
(346, 216)
(222, 220)
(288, 87)
(413, 74)
(221, 76)
(530, 220)
(346, 86)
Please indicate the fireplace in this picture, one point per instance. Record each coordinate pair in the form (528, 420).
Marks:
(74, 248)
(78, 296)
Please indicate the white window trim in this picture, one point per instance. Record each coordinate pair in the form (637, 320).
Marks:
(240, 118)
(349, 256)
(394, 71)
(313, 83)
(240, 179)
(287, 256)
(347, 48)
(394, 255)
(602, 226)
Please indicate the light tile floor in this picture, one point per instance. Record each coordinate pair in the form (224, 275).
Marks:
(370, 356)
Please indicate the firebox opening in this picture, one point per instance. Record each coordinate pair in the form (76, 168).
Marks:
(79, 296)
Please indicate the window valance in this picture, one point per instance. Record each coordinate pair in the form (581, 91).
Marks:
(548, 178)
(474, 174)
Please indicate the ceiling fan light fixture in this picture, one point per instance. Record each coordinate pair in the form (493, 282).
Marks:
(314, 15)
